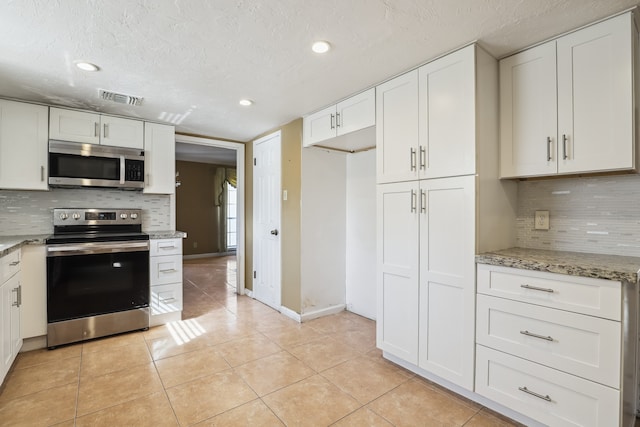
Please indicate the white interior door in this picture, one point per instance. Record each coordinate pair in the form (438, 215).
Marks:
(266, 220)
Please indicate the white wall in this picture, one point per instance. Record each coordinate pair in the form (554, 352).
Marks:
(322, 231)
(361, 234)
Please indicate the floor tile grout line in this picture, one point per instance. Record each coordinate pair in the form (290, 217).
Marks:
(166, 394)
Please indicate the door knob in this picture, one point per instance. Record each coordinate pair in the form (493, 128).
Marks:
(274, 232)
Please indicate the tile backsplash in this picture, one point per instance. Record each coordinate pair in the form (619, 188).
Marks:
(598, 215)
(31, 212)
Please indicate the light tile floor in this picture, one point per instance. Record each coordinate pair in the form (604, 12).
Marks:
(232, 361)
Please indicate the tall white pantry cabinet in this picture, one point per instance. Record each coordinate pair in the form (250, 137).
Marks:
(439, 202)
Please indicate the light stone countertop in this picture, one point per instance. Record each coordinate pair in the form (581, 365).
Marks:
(9, 244)
(167, 234)
(609, 267)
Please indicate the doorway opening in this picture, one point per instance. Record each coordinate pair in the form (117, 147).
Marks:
(209, 206)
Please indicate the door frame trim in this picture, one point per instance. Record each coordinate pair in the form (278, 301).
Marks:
(240, 217)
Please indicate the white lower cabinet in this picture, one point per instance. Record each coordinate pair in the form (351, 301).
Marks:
(10, 299)
(165, 275)
(554, 348)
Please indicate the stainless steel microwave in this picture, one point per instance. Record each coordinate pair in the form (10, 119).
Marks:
(87, 165)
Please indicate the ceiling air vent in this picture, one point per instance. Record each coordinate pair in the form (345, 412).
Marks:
(120, 98)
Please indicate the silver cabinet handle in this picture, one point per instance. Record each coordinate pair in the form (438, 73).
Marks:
(535, 288)
(18, 301)
(533, 393)
(548, 148)
(14, 263)
(412, 154)
(96, 127)
(564, 146)
(338, 120)
(423, 158)
(168, 270)
(413, 200)
(531, 334)
(41, 173)
(423, 201)
(106, 130)
(166, 247)
(332, 125)
(167, 300)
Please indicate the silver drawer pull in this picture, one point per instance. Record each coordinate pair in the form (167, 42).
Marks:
(13, 264)
(168, 270)
(167, 300)
(542, 337)
(535, 288)
(167, 247)
(533, 393)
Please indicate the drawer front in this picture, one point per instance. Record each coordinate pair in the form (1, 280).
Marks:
(581, 345)
(595, 297)
(9, 265)
(560, 399)
(165, 269)
(166, 298)
(165, 247)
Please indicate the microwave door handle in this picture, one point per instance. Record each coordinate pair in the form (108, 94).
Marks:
(122, 169)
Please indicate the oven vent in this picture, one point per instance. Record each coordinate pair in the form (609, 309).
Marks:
(120, 98)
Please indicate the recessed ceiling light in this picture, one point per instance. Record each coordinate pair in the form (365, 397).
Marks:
(321, 46)
(86, 66)
(246, 102)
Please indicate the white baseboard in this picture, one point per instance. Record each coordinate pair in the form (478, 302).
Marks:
(290, 313)
(305, 317)
(209, 255)
(34, 343)
(163, 319)
(248, 292)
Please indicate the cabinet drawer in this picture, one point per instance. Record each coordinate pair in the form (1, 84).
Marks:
(581, 345)
(165, 269)
(166, 298)
(9, 265)
(165, 247)
(595, 297)
(560, 399)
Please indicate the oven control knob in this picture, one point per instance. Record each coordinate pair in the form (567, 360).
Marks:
(123, 216)
(134, 215)
(64, 216)
(76, 216)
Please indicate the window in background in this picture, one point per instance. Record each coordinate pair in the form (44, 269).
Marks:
(231, 216)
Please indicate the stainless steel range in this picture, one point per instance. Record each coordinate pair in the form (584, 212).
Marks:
(97, 274)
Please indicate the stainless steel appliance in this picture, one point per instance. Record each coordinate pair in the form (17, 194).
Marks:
(87, 165)
(97, 274)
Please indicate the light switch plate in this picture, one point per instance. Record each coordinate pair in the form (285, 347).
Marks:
(541, 220)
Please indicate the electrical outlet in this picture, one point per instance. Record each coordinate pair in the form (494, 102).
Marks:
(195, 244)
(542, 220)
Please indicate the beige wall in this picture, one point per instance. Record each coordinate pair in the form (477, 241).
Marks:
(196, 210)
(291, 150)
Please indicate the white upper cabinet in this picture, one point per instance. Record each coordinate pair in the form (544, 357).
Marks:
(397, 129)
(91, 128)
(23, 146)
(573, 114)
(447, 111)
(528, 113)
(350, 115)
(160, 164)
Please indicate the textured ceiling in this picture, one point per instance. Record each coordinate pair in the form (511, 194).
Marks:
(192, 60)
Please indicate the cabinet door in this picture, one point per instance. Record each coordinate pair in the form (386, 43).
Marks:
(528, 113)
(10, 322)
(595, 97)
(447, 278)
(23, 146)
(319, 126)
(74, 126)
(397, 129)
(160, 159)
(447, 116)
(118, 132)
(357, 112)
(397, 282)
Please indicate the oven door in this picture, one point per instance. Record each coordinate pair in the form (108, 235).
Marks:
(89, 279)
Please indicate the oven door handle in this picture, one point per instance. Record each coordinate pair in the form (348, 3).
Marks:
(69, 249)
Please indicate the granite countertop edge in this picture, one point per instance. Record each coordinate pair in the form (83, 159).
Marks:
(167, 234)
(598, 266)
(9, 244)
